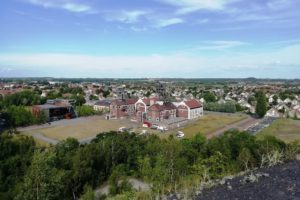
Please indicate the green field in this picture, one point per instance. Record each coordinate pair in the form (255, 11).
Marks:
(207, 124)
(88, 128)
(210, 123)
(287, 130)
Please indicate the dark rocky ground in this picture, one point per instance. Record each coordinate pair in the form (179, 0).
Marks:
(276, 183)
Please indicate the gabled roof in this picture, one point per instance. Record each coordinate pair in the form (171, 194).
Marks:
(147, 101)
(193, 104)
(165, 106)
(121, 102)
(103, 103)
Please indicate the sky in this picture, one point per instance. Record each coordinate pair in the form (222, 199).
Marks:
(150, 38)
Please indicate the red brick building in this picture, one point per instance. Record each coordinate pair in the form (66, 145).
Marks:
(141, 107)
(190, 109)
(161, 112)
(122, 108)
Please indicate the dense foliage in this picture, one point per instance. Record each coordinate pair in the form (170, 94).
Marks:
(261, 106)
(209, 97)
(86, 111)
(22, 116)
(24, 98)
(69, 170)
(228, 107)
(15, 109)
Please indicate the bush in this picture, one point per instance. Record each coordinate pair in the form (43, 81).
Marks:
(85, 111)
(228, 107)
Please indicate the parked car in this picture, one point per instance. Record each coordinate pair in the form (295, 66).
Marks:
(123, 129)
(162, 128)
(154, 126)
(179, 134)
(146, 124)
(144, 132)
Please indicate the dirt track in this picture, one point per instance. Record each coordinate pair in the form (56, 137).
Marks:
(241, 125)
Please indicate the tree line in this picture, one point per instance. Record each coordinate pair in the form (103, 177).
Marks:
(16, 109)
(69, 170)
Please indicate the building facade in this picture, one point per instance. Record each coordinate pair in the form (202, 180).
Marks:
(122, 108)
(190, 109)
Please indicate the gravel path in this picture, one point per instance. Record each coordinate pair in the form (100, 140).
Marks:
(240, 125)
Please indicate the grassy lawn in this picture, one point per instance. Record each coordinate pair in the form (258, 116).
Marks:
(207, 124)
(287, 130)
(91, 127)
(210, 123)
(79, 130)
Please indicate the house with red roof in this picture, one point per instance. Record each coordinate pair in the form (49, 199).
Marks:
(190, 109)
(122, 108)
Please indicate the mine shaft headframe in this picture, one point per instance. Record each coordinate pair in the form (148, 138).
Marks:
(162, 91)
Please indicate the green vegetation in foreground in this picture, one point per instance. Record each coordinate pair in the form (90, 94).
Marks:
(69, 170)
(211, 122)
(287, 130)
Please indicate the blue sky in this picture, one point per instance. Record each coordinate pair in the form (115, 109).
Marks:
(150, 38)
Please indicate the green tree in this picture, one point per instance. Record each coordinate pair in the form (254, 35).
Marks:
(251, 100)
(88, 194)
(15, 155)
(19, 116)
(145, 169)
(85, 110)
(261, 106)
(209, 97)
(80, 100)
(245, 158)
(24, 98)
(42, 180)
(275, 100)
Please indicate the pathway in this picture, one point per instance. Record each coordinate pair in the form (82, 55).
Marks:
(240, 125)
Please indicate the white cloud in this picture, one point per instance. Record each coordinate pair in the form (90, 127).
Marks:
(168, 22)
(188, 6)
(217, 45)
(68, 5)
(138, 29)
(280, 63)
(125, 16)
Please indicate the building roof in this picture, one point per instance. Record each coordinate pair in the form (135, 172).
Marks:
(193, 104)
(103, 103)
(121, 102)
(49, 106)
(165, 106)
(147, 101)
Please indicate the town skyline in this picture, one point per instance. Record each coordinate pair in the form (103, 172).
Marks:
(157, 39)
